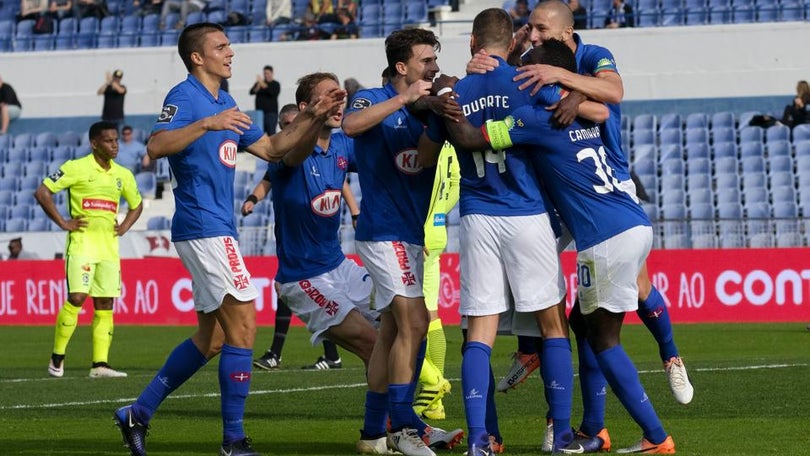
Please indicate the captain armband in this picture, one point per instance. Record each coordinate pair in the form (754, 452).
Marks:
(497, 133)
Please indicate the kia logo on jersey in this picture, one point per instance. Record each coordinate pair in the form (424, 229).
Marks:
(227, 153)
(406, 162)
(327, 203)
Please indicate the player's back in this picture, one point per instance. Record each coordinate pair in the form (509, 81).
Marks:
(497, 183)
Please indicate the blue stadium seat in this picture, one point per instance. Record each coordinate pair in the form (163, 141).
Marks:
(699, 166)
(720, 15)
(644, 122)
(792, 11)
(644, 166)
(158, 222)
(753, 180)
(743, 14)
(61, 154)
(727, 195)
(701, 211)
(698, 180)
(696, 15)
(727, 181)
(370, 13)
(89, 25)
(255, 220)
(802, 149)
(724, 134)
(781, 178)
(672, 182)
(697, 120)
(697, 135)
(9, 181)
(43, 42)
(780, 164)
(768, 12)
(36, 168)
(68, 26)
(416, 12)
(24, 140)
(196, 17)
(785, 209)
(752, 165)
(6, 33)
(47, 139)
(777, 133)
(641, 136)
(801, 133)
(672, 166)
(147, 184)
(751, 134)
(106, 41)
(745, 118)
(700, 196)
(752, 149)
(723, 119)
(644, 150)
(670, 136)
(725, 165)
(40, 224)
(16, 225)
(672, 17)
(21, 211)
(784, 194)
(648, 17)
(7, 197)
(18, 154)
(68, 138)
(23, 36)
(698, 150)
(670, 120)
(168, 37)
(725, 150)
(753, 195)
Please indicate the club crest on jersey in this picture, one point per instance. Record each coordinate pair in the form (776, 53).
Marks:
(167, 114)
(342, 163)
(327, 203)
(406, 161)
(361, 103)
(118, 183)
(227, 153)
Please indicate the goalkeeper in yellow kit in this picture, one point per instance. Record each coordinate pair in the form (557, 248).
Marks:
(95, 185)
(433, 385)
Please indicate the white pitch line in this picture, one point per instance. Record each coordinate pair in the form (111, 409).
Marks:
(333, 387)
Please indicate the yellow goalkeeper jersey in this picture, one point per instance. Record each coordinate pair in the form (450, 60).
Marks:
(93, 195)
(443, 198)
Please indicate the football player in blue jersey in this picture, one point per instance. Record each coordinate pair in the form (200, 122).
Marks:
(200, 129)
(508, 256)
(613, 235)
(396, 188)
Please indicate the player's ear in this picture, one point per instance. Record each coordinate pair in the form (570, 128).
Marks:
(401, 68)
(302, 106)
(196, 58)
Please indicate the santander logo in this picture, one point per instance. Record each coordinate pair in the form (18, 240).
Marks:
(227, 153)
(406, 161)
(327, 203)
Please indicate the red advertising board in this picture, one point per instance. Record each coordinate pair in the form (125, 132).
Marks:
(746, 285)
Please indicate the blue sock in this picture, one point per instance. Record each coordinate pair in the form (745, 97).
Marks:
(491, 419)
(623, 378)
(594, 389)
(400, 406)
(475, 385)
(416, 421)
(558, 378)
(528, 344)
(235, 366)
(653, 312)
(376, 414)
(183, 362)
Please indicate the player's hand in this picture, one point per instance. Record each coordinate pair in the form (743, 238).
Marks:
(328, 104)
(481, 62)
(108, 77)
(521, 37)
(247, 208)
(536, 75)
(230, 119)
(442, 82)
(446, 106)
(567, 109)
(74, 224)
(417, 90)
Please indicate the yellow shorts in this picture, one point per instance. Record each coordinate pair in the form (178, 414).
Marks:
(97, 278)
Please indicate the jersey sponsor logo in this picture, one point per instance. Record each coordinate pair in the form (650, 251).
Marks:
(330, 307)
(227, 153)
(99, 204)
(406, 162)
(327, 203)
(167, 114)
(361, 103)
(439, 219)
(56, 175)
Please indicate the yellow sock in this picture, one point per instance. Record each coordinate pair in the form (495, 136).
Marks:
(436, 345)
(66, 322)
(429, 375)
(102, 335)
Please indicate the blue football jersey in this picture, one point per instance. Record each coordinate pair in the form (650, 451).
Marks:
(592, 60)
(495, 183)
(579, 173)
(203, 171)
(306, 202)
(396, 190)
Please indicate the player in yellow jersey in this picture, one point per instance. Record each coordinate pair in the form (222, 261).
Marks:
(434, 386)
(95, 185)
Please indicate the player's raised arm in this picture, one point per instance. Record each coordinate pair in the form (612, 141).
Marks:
(169, 142)
(367, 117)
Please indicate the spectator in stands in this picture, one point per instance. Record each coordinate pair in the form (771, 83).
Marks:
(310, 31)
(319, 10)
(347, 28)
(266, 89)
(114, 93)
(60, 9)
(16, 252)
(350, 5)
(131, 152)
(520, 13)
(580, 14)
(620, 15)
(10, 106)
(796, 112)
(31, 9)
(278, 12)
(148, 7)
(184, 7)
(90, 8)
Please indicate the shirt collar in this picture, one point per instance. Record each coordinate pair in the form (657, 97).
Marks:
(201, 88)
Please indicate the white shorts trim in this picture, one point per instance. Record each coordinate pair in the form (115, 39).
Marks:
(607, 272)
(396, 268)
(217, 269)
(325, 300)
(505, 259)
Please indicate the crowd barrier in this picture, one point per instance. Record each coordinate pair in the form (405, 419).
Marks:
(699, 286)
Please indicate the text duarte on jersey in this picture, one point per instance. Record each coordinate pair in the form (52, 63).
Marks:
(502, 101)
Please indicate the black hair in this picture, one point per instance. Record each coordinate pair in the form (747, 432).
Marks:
(192, 38)
(399, 45)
